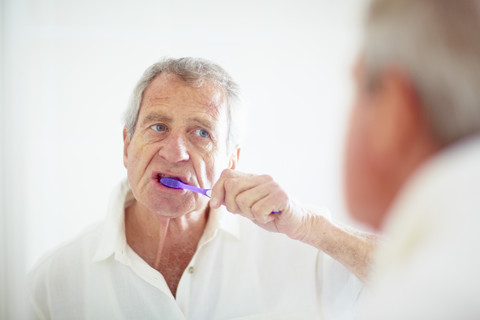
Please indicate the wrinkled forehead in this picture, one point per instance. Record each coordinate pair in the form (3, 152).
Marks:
(170, 88)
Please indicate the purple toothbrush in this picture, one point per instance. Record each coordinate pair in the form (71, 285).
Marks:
(176, 184)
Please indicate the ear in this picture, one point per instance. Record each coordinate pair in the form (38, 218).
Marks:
(398, 115)
(234, 158)
(126, 143)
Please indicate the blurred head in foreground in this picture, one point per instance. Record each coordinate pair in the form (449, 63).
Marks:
(417, 92)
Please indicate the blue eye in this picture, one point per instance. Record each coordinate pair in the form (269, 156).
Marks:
(202, 133)
(159, 127)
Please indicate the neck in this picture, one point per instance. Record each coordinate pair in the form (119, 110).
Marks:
(153, 236)
(402, 171)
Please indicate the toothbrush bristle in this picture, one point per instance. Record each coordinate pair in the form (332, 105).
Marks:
(171, 183)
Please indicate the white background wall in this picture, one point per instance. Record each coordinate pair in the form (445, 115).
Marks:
(67, 70)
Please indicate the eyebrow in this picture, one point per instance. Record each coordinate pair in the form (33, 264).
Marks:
(203, 123)
(155, 117)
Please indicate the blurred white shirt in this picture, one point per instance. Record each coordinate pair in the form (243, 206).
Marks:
(239, 271)
(431, 268)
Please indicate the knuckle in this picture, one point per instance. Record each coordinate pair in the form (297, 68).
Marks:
(256, 211)
(227, 184)
(266, 178)
(241, 200)
(278, 192)
(230, 183)
(282, 194)
(227, 173)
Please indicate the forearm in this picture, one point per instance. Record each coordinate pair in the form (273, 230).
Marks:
(350, 247)
(256, 196)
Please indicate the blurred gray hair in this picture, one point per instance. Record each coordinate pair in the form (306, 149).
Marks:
(195, 72)
(437, 43)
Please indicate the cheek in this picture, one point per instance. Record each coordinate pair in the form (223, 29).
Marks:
(139, 156)
(356, 170)
(209, 168)
(364, 187)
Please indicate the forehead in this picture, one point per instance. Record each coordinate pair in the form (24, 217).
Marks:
(173, 94)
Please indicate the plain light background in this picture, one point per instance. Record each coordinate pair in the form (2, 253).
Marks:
(67, 70)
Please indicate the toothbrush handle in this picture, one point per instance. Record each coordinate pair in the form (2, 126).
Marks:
(205, 192)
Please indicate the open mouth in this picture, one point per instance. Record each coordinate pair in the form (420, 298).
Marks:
(161, 175)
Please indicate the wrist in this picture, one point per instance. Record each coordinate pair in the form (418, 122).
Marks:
(313, 227)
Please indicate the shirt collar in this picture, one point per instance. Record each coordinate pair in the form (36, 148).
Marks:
(423, 187)
(220, 219)
(113, 239)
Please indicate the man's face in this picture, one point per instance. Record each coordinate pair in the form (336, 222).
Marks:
(389, 139)
(181, 132)
(364, 180)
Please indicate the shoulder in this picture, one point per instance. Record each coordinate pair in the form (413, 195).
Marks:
(80, 245)
(435, 243)
(71, 255)
(61, 271)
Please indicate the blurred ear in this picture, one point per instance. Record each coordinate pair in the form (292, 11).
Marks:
(398, 115)
(234, 158)
(126, 143)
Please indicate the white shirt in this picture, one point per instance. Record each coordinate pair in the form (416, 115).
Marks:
(431, 268)
(239, 271)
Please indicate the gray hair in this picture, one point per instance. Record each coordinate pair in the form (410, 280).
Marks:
(437, 43)
(195, 72)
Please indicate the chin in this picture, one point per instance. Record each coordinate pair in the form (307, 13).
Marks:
(177, 207)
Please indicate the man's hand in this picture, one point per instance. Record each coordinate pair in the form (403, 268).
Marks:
(255, 197)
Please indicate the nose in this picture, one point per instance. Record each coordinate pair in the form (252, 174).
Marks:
(174, 148)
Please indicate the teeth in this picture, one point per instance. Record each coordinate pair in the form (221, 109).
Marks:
(160, 175)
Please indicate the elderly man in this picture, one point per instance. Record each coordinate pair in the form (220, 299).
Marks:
(413, 159)
(165, 253)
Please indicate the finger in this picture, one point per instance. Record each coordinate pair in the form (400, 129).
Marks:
(234, 187)
(248, 198)
(218, 190)
(262, 212)
(243, 192)
(263, 208)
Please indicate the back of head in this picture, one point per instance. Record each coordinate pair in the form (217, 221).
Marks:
(436, 43)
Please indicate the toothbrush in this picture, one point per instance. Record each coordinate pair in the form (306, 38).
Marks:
(176, 184)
